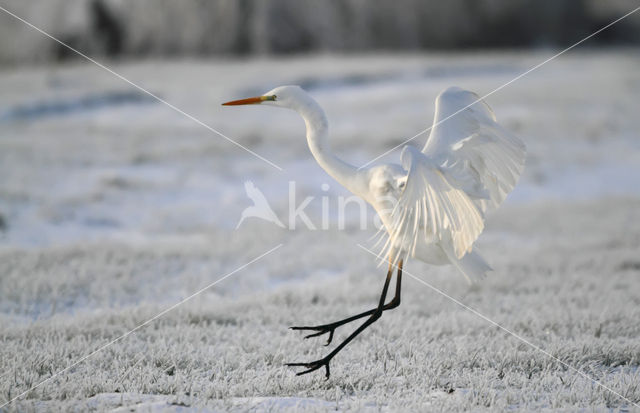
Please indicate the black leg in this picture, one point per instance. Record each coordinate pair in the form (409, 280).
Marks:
(330, 328)
(374, 315)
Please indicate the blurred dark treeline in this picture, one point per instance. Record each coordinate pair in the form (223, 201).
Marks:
(139, 28)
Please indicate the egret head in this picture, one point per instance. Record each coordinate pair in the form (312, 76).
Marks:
(283, 96)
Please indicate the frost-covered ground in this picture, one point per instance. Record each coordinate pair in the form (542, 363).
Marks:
(114, 207)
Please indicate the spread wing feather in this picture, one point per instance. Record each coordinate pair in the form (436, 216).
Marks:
(483, 157)
(468, 166)
(432, 205)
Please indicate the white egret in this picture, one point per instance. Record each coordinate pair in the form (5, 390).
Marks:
(433, 205)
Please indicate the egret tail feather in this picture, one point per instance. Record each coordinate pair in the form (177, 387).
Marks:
(472, 266)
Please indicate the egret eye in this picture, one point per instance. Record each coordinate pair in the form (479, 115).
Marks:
(273, 97)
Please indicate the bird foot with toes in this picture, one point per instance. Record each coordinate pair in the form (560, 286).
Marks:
(319, 330)
(313, 366)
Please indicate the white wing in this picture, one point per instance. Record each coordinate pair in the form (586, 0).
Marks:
(468, 165)
(483, 157)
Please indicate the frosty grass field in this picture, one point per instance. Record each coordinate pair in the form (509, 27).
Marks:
(113, 207)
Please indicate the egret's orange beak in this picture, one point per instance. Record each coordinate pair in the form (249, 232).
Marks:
(249, 101)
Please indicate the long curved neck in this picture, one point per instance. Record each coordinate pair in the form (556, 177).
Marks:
(318, 140)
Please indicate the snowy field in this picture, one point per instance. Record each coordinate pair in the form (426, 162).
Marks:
(114, 207)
